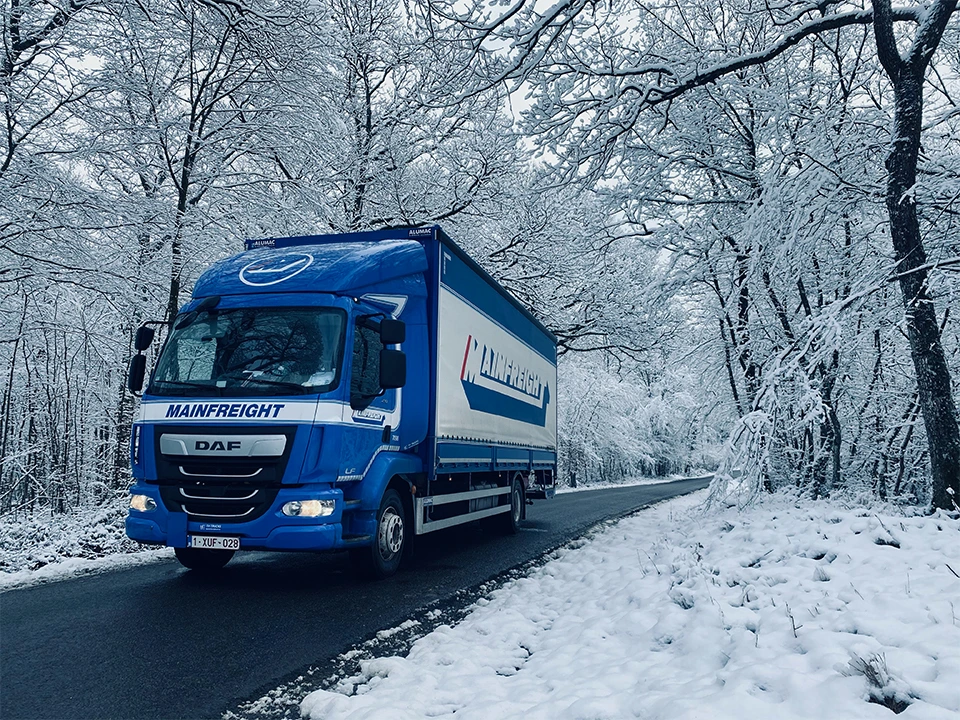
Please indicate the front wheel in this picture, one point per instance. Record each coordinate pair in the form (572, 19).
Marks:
(382, 558)
(203, 560)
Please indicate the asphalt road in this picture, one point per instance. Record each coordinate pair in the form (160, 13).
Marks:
(160, 642)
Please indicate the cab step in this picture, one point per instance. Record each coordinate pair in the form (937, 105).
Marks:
(356, 539)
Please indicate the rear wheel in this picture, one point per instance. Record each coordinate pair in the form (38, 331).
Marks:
(203, 560)
(382, 558)
(510, 522)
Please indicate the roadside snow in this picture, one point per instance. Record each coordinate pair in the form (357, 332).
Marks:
(41, 547)
(784, 610)
(73, 567)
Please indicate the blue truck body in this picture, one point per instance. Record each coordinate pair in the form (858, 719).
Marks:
(227, 461)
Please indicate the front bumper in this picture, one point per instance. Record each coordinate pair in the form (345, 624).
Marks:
(271, 531)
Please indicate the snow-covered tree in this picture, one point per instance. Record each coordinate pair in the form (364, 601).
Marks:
(607, 83)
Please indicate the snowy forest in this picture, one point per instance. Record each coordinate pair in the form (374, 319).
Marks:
(741, 219)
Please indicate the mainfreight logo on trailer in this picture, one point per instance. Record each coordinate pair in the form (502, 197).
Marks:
(497, 384)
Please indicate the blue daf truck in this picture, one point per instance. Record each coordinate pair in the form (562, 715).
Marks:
(335, 392)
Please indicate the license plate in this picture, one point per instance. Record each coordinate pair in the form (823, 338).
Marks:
(213, 542)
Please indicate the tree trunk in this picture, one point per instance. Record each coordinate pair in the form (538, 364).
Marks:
(923, 330)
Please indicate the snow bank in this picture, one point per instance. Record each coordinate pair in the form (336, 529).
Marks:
(42, 547)
(630, 482)
(785, 610)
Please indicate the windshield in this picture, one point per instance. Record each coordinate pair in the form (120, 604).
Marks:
(252, 351)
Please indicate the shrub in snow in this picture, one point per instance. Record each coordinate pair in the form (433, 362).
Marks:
(29, 542)
(882, 687)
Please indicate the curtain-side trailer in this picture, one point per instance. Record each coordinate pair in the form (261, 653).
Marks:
(343, 391)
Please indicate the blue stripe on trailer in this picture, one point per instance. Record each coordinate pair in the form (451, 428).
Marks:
(544, 458)
(504, 454)
(469, 456)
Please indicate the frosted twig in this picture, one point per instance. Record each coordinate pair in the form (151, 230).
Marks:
(792, 621)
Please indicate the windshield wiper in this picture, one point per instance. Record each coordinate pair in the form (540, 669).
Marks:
(185, 383)
(276, 383)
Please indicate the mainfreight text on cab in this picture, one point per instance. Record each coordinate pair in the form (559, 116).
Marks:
(341, 392)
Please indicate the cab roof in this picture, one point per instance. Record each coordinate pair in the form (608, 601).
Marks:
(333, 267)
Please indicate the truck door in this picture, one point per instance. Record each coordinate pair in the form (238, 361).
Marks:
(372, 408)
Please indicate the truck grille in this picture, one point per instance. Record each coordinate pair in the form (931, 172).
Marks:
(233, 471)
(220, 503)
(220, 489)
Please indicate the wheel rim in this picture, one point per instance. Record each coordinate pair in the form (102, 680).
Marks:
(517, 502)
(390, 534)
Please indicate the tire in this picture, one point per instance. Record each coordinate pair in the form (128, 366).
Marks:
(203, 560)
(382, 558)
(510, 522)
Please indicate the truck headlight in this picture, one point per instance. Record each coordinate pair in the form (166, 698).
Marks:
(142, 503)
(309, 508)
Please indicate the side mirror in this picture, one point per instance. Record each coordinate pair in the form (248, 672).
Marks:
(393, 369)
(392, 332)
(143, 337)
(138, 368)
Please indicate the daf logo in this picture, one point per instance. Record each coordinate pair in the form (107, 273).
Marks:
(275, 270)
(205, 445)
(217, 445)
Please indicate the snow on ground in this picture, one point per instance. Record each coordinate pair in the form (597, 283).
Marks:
(786, 610)
(42, 547)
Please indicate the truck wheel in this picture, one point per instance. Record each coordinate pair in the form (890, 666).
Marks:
(510, 522)
(382, 558)
(203, 560)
